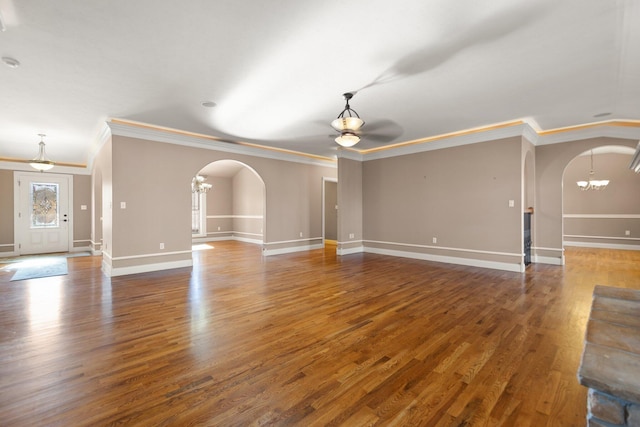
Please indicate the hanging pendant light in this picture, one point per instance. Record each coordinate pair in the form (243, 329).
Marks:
(41, 162)
(592, 183)
(198, 185)
(347, 123)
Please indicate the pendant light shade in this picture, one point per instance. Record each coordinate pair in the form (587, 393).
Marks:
(347, 139)
(41, 162)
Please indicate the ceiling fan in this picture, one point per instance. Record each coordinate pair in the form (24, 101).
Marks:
(349, 124)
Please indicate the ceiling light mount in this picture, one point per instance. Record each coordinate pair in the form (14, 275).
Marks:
(41, 162)
(348, 123)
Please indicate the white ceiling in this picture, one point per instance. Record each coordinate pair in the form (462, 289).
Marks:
(276, 69)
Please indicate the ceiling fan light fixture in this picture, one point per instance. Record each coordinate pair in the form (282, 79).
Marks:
(41, 162)
(347, 123)
(347, 139)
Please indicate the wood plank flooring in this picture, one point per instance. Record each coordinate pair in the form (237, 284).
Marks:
(305, 339)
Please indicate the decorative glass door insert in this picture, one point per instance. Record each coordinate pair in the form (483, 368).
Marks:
(44, 205)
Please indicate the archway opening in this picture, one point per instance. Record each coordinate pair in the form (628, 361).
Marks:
(601, 218)
(234, 208)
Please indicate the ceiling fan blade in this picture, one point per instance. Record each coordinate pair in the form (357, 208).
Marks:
(381, 124)
(381, 131)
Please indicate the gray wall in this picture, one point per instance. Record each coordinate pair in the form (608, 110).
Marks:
(350, 205)
(248, 205)
(220, 207)
(82, 218)
(460, 196)
(330, 211)
(6, 211)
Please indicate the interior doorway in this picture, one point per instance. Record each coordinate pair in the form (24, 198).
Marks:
(330, 211)
(606, 216)
(42, 213)
(235, 204)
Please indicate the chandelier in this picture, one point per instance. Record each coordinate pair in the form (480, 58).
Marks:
(41, 162)
(347, 123)
(635, 161)
(593, 184)
(198, 185)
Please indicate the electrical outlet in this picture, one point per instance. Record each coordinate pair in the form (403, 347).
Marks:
(123, 205)
(435, 240)
(83, 207)
(352, 235)
(627, 232)
(161, 245)
(218, 228)
(512, 203)
(301, 234)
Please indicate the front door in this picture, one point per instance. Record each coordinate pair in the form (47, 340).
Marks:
(42, 215)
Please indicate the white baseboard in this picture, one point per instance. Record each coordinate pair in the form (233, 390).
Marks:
(518, 268)
(11, 254)
(109, 271)
(81, 249)
(349, 251)
(290, 249)
(265, 251)
(547, 260)
(225, 238)
(602, 245)
(247, 240)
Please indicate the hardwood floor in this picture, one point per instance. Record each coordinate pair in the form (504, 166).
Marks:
(306, 339)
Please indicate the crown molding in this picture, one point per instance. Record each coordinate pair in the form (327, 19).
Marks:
(456, 139)
(627, 129)
(103, 136)
(173, 136)
(347, 153)
(624, 129)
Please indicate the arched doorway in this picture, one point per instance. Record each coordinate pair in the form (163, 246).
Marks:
(233, 208)
(601, 218)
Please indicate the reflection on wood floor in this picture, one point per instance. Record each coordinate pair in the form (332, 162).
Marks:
(305, 339)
